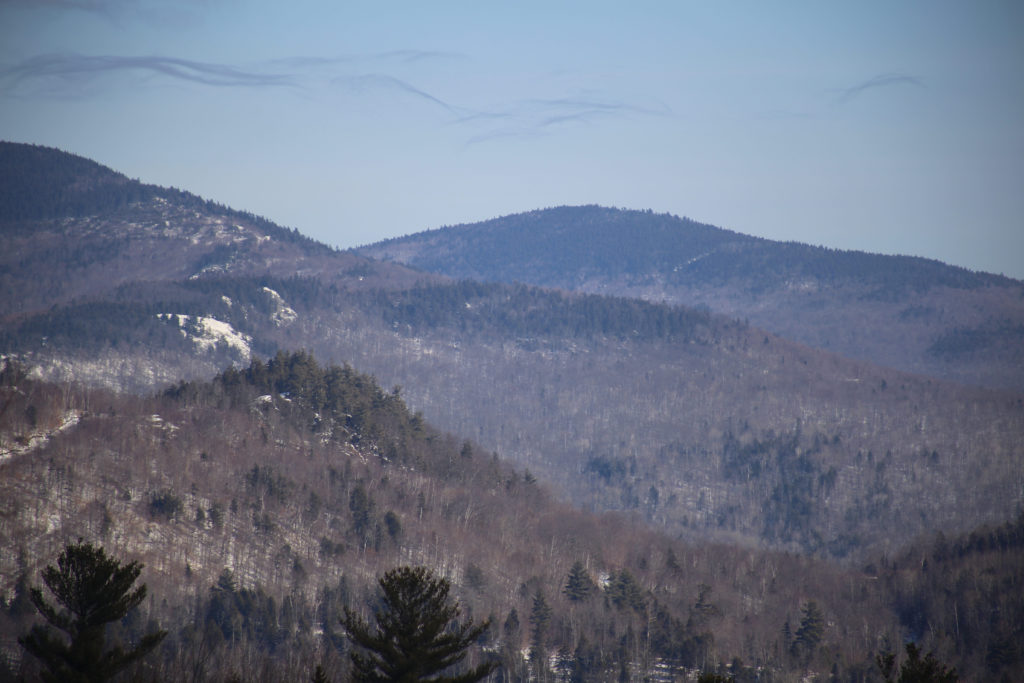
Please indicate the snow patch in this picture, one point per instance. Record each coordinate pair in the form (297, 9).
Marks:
(283, 313)
(159, 422)
(38, 439)
(207, 333)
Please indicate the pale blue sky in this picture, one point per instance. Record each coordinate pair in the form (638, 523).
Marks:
(882, 126)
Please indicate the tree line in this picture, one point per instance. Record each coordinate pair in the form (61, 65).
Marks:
(415, 634)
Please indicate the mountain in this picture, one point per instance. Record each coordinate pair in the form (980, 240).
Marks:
(93, 259)
(913, 314)
(91, 230)
(699, 424)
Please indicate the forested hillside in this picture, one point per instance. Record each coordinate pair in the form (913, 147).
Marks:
(75, 231)
(913, 314)
(699, 424)
(265, 501)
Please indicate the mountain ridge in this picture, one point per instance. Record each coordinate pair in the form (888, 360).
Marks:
(122, 233)
(661, 244)
(910, 313)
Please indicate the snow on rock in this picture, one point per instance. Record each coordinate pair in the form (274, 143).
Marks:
(118, 371)
(37, 439)
(283, 313)
(207, 333)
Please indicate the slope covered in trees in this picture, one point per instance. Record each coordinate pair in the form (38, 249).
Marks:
(698, 423)
(267, 501)
(566, 246)
(914, 314)
(41, 183)
(75, 230)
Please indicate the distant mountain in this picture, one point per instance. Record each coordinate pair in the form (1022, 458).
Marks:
(76, 230)
(909, 313)
(698, 423)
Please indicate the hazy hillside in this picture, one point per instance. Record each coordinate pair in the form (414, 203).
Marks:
(75, 230)
(702, 425)
(908, 313)
(265, 501)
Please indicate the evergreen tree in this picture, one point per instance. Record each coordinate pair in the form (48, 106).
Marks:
(812, 628)
(362, 509)
(624, 591)
(414, 638)
(713, 677)
(94, 590)
(914, 669)
(671, 562)
(540, 618)
(703, 609)
(579, 585)
(511, 626)
(319, 675)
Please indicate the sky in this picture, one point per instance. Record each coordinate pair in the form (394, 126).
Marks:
(879, 126)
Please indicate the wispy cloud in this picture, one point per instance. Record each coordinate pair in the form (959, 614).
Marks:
(73, 75)
(178, 13)
(413, 56)
(362, 60)
(104, 7)
(72, 68)
(363, 82)
(533, 117)
(880, 81)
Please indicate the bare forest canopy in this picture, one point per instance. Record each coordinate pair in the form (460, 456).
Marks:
(267, 500)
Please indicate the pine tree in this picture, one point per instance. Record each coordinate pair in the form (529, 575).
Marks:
(812, 628)
(511, 626)
(414, 637)
(362, 509)
(914, 669)
(713, 677)
(579, 585)
(540, 618)
(94, 590)
(319, 675)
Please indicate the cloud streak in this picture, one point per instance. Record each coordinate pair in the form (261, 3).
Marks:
(393, 56)
(880, 81)
(366, 81)
(179, 13)
(533, 117)
(104, 7)
(72, 68)
(74, 75)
